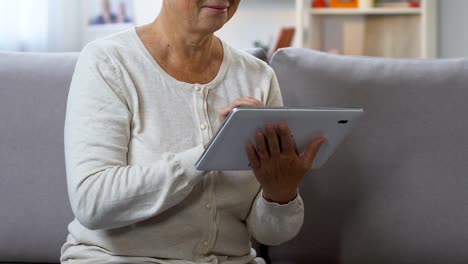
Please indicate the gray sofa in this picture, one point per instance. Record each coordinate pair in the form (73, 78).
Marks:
(395, 192)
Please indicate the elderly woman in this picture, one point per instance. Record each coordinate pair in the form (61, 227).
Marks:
(142, 106)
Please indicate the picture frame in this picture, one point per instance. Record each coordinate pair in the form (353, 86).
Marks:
(100, 18)
(109, 13)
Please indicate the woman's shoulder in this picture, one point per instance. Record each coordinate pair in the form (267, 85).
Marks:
(252, 60)
(109, 48)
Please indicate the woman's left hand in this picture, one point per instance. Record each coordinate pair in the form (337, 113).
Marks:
(277, 165)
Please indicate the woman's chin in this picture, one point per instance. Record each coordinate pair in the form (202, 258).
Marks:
(212, 27)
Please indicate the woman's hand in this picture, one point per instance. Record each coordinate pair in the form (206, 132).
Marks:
(276, 163)
(243, 101)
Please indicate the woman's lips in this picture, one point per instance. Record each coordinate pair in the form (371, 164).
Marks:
(218, 9)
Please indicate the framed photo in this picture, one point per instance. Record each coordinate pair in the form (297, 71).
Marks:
(101, 18)
(109, 13)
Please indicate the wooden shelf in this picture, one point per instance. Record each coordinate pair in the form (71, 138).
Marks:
(383, 31)
(370, 11)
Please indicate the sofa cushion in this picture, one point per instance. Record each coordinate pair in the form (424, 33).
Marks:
(396, 189)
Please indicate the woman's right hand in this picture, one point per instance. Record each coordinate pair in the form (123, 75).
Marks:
(243, 101)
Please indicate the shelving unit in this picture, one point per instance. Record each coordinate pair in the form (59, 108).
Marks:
(379, 31)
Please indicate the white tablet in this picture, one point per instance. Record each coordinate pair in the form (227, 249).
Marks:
(226, 150)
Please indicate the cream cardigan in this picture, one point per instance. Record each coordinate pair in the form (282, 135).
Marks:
(132, 136)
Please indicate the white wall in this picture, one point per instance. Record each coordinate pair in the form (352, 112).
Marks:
(65, 28)
(146, 11)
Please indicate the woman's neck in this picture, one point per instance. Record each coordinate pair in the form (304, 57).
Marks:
(186, 50)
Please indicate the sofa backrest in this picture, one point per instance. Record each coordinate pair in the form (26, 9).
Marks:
(396, 189)
(34, 205)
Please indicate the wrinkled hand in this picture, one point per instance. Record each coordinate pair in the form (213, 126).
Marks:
(243, 101)
(277, 165)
